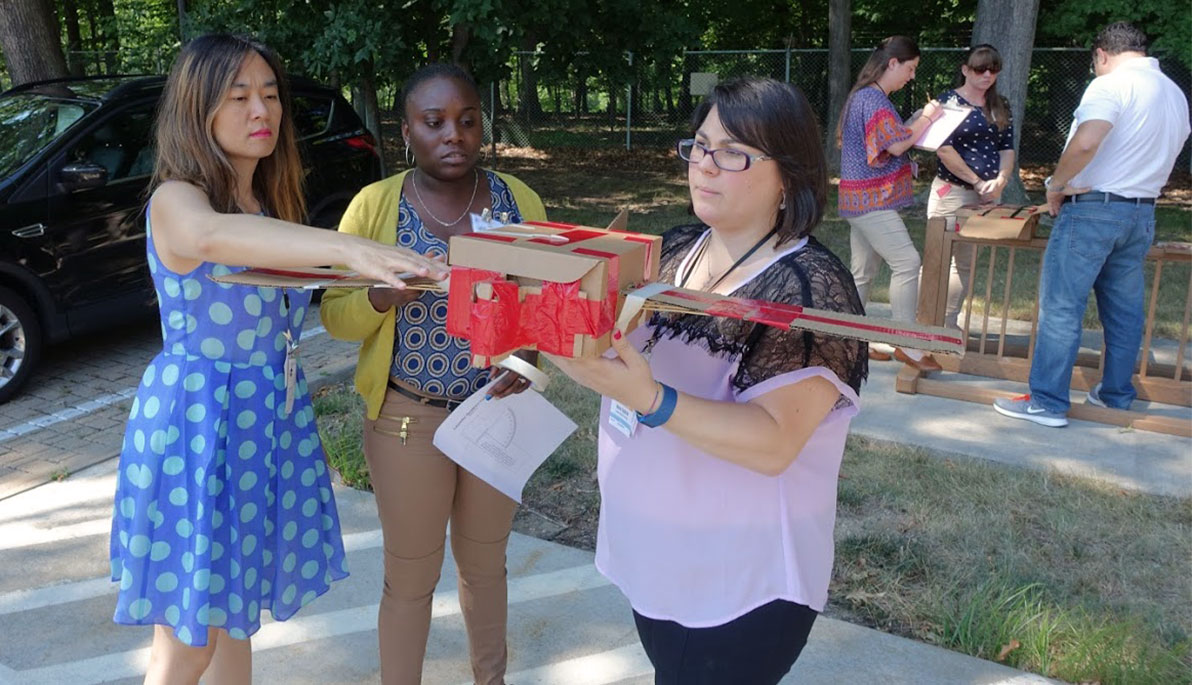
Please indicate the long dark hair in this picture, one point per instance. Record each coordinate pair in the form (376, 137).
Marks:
(985, 57)
(900, 48)
(776, 118)
(187, 151)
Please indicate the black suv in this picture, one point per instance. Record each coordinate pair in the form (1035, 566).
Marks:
(75, 160)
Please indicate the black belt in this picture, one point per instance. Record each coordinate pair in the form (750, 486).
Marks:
(440, 402)
(1110, 197)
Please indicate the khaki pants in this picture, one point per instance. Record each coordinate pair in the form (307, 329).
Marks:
(943, 201)
(881, 236)
(417, 490)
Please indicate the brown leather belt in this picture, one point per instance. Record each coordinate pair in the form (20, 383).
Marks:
(439, 402)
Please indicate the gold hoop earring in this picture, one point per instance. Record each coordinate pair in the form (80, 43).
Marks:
(409, 157)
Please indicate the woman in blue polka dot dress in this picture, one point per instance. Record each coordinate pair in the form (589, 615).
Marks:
(223, 503)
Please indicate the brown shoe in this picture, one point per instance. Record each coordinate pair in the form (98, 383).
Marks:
(927, 364)
(879, 356)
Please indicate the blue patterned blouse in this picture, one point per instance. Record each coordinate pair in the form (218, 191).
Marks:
(424, 356)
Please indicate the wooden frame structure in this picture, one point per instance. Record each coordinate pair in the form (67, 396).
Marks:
(995, 354)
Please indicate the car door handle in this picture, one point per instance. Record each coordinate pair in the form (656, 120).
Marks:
(34, 231)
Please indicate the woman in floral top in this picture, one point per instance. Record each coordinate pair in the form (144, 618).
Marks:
(876, 181)
(976, 160)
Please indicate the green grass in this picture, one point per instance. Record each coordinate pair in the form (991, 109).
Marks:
(1090, 581)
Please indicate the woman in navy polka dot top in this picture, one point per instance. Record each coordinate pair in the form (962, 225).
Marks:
(976, 161)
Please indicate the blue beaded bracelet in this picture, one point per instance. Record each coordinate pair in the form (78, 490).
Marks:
(670, 397)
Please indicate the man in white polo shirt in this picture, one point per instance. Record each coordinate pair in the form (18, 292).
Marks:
(1130, 126)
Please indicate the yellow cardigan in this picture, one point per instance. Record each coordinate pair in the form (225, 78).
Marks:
(347, 313)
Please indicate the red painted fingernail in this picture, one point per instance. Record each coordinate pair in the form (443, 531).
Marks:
(616, 335)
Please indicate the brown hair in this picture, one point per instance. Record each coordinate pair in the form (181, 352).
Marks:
(900, 48)
(187, 151)
(776, 118)
(985, 56)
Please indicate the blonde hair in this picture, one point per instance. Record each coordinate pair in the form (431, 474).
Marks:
(198, 83)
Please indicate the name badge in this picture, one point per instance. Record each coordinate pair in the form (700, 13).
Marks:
(622, 418)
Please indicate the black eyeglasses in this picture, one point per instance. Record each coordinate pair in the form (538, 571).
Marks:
(982, 70)
(725, 159)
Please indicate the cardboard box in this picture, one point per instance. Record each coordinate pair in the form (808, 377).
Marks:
(999, 222)
(552, 287)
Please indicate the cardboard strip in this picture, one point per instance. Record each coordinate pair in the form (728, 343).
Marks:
(916, 336)
(635, 301)
(538, 380)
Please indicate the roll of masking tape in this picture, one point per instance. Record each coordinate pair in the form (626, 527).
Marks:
(538, 379)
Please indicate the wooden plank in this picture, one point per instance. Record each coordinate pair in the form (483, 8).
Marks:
(1085, 412)
(1150, 389)
(988, 296)
(936, 258)
(908, 379)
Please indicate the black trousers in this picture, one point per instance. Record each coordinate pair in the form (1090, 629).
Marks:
(758, 648)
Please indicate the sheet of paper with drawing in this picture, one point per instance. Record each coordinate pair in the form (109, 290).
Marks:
(503, 441)
(938, 132)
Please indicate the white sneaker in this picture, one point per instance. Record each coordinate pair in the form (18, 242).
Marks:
(1094, 397)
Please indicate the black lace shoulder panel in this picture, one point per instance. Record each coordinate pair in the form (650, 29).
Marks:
(810, 277)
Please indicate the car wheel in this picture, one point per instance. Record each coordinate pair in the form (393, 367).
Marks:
(20, 343)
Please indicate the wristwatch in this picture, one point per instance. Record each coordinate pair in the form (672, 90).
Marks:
(1057, 189)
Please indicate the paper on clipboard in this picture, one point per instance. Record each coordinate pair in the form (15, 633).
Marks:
(938, 132)
(503, 441)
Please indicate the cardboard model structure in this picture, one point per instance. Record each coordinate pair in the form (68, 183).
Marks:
(999, 222)
(556, 288)
(562, 289)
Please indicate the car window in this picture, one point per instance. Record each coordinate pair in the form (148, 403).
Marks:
(122, 144)
(28, 123)
(312, 115)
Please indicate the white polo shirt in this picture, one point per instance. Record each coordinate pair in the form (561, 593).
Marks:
(1149, 114)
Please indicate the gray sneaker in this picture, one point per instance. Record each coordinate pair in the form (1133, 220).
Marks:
(1022, 407)
(1094, 397)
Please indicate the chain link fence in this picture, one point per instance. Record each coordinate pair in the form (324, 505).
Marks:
(653, 105)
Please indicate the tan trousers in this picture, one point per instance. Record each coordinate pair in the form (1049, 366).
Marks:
(943, 201)
(881, 236)
(417, 490)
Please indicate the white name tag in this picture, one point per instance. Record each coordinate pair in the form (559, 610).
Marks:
(622, 418)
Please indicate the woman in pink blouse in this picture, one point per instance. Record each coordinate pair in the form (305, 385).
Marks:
(876, 181)
(720, 440)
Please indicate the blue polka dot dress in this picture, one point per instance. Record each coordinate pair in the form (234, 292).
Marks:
(223, 500)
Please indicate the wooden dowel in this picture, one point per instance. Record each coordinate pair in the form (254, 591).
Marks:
(1179, 356)
(988, 296)
(1150, 319)
(1001, 341)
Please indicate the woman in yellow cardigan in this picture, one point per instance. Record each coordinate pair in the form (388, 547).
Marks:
(411, 374)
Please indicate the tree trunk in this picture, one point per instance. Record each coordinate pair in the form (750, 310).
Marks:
(1009, 25)
(528, 83)
(30, 41)
(372, 113)
(111, 37)
(460, 34)
(839, 74)
(74, 37)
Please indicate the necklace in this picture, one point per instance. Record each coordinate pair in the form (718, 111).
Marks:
(703, 248)
(445, 224)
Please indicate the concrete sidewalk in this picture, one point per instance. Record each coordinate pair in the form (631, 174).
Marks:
(568, 626)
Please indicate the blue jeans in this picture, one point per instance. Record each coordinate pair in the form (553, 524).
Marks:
(1099, 246)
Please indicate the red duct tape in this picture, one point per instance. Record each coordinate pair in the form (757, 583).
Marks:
(494, 323)
(459, 297)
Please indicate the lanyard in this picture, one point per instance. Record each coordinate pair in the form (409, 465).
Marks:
(704, 247)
